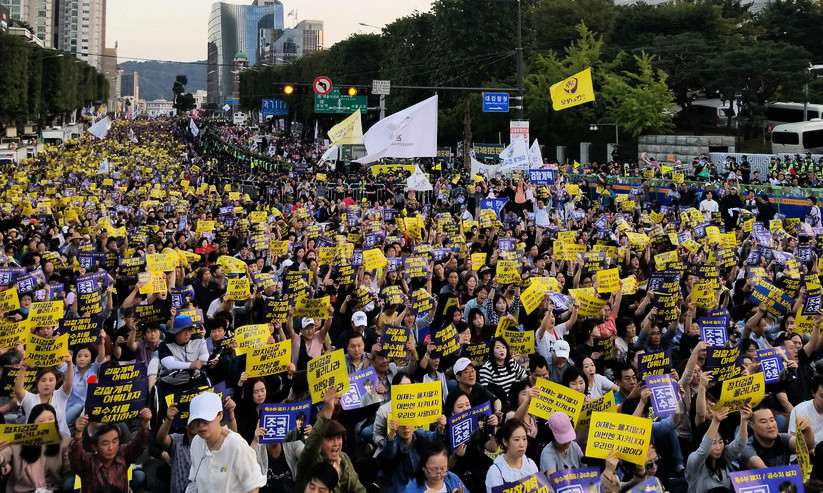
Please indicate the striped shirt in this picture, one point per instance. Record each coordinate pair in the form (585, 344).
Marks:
(502, 377)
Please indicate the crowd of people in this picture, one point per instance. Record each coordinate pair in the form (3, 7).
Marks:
(502, 305)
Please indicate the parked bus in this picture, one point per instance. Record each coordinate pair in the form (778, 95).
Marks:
(777, 113)
(798, 138)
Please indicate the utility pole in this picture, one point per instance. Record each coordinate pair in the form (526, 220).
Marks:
(519, 50)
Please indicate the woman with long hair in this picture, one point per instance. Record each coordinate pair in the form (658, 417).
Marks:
(36, 467)
(501, 371)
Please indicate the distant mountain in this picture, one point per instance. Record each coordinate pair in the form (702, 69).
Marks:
(156, 78)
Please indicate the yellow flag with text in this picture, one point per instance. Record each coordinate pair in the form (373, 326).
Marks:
(572, 91)
(349, 131)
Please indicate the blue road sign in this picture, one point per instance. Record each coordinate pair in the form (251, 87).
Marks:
(232, 101)
(495, 102)
(274, 107)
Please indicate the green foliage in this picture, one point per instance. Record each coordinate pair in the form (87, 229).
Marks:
(36, 83)
(639, 101)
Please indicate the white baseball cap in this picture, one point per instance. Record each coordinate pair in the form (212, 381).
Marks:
(205, 406)
(461, 364)
(308, 321)
(561, 349)
(359, 319)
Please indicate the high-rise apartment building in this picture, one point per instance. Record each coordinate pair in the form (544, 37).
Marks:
(233, 29)
(304, 38)
(82, 29)
(39, 14)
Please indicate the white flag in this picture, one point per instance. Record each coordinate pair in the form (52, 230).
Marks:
(418, 181)
(330, 154)
(515, 157)
(535, 156)
(409, 133)
(193, 127)
(101, 128)
(478, 168)
(132, 137)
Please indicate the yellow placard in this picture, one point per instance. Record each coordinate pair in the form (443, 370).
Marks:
(313, 307)
(802, 451)
(279, 247)
(604, 403)
(44, 313)
(478, 260)
(507, 272)
(154, 282)
(269, 359)
(572, 189)
(737, 392)
(258, 217)
(626, 436)
(629, 285)
(232, 265)
(238, 289)
(250, 336)
(661, 260)
(704, 295)
(374, 259)
(521, 343)
(43, 352)
(590, 302)
(416, 404)
(9, 300)
(532, 296)
(327, 371)
(12, 333)
(29, 434)
(608, 281)
(553, 398)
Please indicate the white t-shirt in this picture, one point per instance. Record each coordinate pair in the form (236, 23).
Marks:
(707, 206)
(500, 472)
(601, 387)
(231, 469)
(806, 410)
(58, 401)
(545, 345)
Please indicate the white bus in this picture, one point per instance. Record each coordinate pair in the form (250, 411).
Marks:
(798, 138)
(777, 113)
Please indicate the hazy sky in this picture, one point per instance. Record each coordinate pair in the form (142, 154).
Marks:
(176, 29)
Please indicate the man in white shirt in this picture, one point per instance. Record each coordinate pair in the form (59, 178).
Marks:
(812, 411)
(221, 460)
(709, 206)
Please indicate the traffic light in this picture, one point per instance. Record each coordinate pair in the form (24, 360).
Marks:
(351, 91)
(288, 89)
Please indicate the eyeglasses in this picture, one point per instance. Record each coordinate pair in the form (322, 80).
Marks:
(651, 464)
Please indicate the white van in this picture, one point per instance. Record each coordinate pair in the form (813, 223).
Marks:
(798, 138)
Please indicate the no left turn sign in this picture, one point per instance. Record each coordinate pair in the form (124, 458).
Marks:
(322, 85)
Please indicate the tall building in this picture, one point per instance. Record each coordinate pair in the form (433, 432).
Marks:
(304, 38)
(39, 14)
(113, 75)
(237, 29)
(82, 29)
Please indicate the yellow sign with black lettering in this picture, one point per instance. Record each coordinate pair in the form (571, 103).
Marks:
(250, 336)
(507, 272)
(313, 307)
(374, 259)
(268, 360)
(30, 434)
(553, 398)
(608, 281)
(416, 404)
(737, 392)
(43, 352)
(328, 371)
(628, 437)
(238, 289)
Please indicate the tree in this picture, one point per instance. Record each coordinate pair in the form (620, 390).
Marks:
(557, 21)
(795, 22)
(639, 101)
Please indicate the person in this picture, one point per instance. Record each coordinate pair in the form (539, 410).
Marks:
(325, 444)
(181, 356)
(221, 460)
(278, 460)
(106, 468)
(466, 376)
(500, 371)
(768, 447)
(512, 465)
(178, 447)
(709, 206)
(36, 467)
(433, 472)
(563, 452)
(708, 467)
(400, 458)
(811, 411)
(47, 392)
(323, 478)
